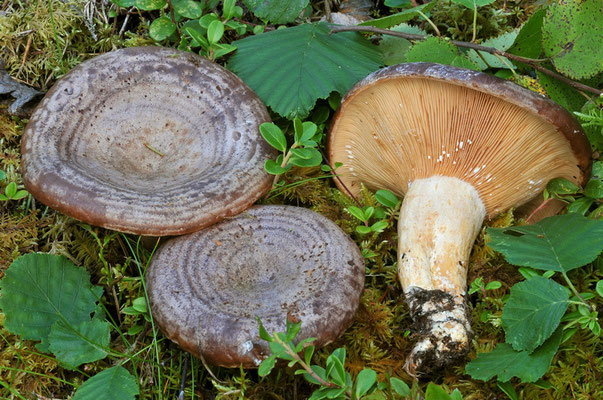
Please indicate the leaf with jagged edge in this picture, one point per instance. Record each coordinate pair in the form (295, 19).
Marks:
(393, 48)
(40, 289)
(560, 243)
(291, 68)
(439, 51)
(114, 383)
(501, 42)
(572, 33)
(533, 312)
(78, 344)
(277, 11)
(506, 363)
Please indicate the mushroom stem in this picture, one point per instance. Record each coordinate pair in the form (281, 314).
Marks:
(439, 221)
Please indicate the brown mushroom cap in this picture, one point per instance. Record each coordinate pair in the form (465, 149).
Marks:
(418, 120)
(273, 262)
(148, 140)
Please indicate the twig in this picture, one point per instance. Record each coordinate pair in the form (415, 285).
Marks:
(529, 61)
(181, 395)
(174, 19)
(305, 366)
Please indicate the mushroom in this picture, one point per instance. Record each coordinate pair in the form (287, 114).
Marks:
(277, 263)
(460, 146)
(147, 140)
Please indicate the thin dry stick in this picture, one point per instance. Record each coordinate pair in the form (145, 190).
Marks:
(174, 19)
(529, 61)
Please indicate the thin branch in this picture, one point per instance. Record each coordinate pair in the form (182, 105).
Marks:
(529, 61)
(174, 19)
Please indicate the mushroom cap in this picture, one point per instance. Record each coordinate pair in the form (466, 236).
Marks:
(278, 263)
(417, 120)
(147, 140)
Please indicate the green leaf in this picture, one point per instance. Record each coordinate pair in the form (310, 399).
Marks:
(308, 353)
(533, 312)
(291, 68)
(559, 243)
(365, 381)
(506, 363)
(399, 386)
(40, 289)
(393, 48)
(307, 157)
(215, 31)
(274, 168)
(318, 370)
(379, 226)
(20, 194)
(528, 42)
(188, 8)
(267, 365)
(600, 288)
(502, 42)
(228, 9)
(277, 11)
(207, 19)
(439, 51)
(124, 3)
(562, 186)
(274, 136)
(456, 395)
(2, 175)
(594, 188)
(580, 206)
(387, 198)
(362, 229)
(561, 92)
(149, 5)
(292, 330)
(221, 49)
(263, 333)
(357, 212)
(435, 392)
(398, 18)
(161, 28)
(78, 344)
(473, 3)
(114, 383)
(572, 34)
(10, 190)
(508, 389)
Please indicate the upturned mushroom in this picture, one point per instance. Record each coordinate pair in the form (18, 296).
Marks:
(460, 146)
(277, 263)
(148, 140)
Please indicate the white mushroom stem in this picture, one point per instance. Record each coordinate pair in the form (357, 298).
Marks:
(439, 221)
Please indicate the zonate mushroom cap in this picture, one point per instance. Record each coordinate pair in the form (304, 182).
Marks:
(417, 120)
(148, 140)
(277, 263)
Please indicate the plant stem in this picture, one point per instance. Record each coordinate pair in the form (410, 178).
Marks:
(174, 19)
(303, 364)
(573, 289)
(529, 61)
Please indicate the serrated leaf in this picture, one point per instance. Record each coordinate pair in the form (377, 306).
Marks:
(572, 34)
(533, 312)
(114, 383)
(560, 243)
(393, 48)
(149, 5)
(561, 92)
(505, 362)
(161, 28)
(40, 289)
(188, 8)
(399, 386)
(365, 381)
(277, 11)
(486, 60)
(473, 3)
(398, 18)
(291, 68)
(82, 343)
(439, 51)
(528, 42)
